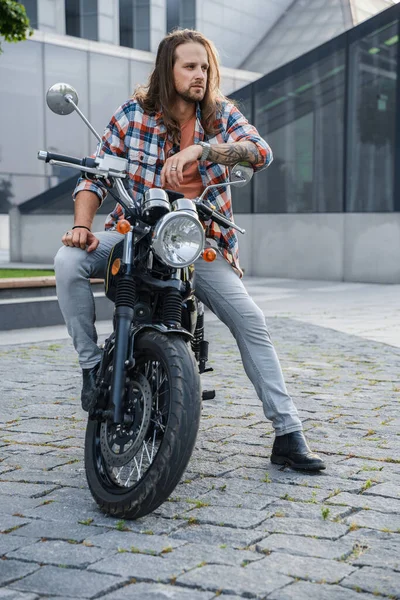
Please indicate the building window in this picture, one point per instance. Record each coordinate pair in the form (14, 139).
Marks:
(297, 115)
(181, 13)
(372, 134)
(81, 18)
(134, 24)
(32, 12)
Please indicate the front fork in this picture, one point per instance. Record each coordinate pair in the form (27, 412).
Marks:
(124, 311)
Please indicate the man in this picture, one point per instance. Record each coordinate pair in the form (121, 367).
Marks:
(180, 133)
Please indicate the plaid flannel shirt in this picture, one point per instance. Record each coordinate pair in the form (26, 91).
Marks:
(140, 137)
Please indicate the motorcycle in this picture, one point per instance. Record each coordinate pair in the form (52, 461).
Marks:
(144, 419)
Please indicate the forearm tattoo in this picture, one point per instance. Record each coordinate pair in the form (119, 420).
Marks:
(230, 154)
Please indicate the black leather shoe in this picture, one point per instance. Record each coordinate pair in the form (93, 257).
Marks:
(292, 449)
(89, 388)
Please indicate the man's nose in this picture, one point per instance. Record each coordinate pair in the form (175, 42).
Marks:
(200, 74)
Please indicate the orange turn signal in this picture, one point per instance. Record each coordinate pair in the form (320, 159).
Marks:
(123, 226)
(115, 267)
(209, 254)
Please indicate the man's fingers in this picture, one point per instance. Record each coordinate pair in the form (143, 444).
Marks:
(179, 173)
(79, 238)
(82, 240)
(93, 243)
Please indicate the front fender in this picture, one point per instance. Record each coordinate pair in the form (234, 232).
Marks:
(162, 329)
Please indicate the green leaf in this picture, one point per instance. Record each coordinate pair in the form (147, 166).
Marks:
(14, 22)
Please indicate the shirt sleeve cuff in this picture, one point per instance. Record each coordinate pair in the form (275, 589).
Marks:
(264, 151)
(89, 186)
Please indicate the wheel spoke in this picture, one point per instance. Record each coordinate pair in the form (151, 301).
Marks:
(153, 446)
(124, 461)
(138, 468)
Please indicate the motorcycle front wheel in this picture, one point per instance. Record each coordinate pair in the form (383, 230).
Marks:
(132, 469)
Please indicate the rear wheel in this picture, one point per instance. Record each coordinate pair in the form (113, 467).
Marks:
(131, 469)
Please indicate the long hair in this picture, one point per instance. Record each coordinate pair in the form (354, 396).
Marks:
(160, 94)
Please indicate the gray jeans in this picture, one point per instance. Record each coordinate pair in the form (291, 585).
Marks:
(217, 286)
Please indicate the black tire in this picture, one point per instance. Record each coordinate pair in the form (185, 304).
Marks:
(182, 393)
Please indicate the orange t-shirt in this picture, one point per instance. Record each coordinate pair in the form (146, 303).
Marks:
(192, 185)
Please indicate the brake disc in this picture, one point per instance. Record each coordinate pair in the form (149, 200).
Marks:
(120, 443)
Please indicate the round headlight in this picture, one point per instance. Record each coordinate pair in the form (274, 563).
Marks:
(178, 239)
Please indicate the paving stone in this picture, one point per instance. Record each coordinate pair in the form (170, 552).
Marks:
(9, 542)
(53, 479)
(229, 517)
(253, 501)
(208, 467)
(376, 520)
(237, 538)
(376, 581)
(372, 537)
(44, 440)
(36, 425)
(82, 584)
(312, 568)
(303, 590)
(154, 591)
(142, 567)
(319, 529)
(29, 490)
(7, 594)
(152, 525)
(244, 581)
(193, 489)
(226, 597)
(381, 556)
(385, 489)
(296, 492)
(65, 511)
(11, 523)
(230, 485)
(12, 505)
(231, 448)
(377, 503)
(196, 554)
(58, 531)
(304, 546)
(307, 510)
(171, 510)
(113, 540)
(59, 553)
(336, 480)
(12, 570)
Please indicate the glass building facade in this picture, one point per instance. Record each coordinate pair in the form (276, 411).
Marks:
(330, 118)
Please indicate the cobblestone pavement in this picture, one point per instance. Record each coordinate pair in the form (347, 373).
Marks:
(236, 526)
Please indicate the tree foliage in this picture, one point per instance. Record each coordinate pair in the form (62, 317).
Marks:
(14, 22)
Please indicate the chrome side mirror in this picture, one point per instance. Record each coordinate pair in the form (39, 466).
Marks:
(241, 171)
(56, 98)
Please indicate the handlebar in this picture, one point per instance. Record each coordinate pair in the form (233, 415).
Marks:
(82, 162)
(90, 165)
(206, 212)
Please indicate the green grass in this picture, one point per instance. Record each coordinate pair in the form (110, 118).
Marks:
(6, 273)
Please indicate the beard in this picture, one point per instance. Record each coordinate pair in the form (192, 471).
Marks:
(191, 96)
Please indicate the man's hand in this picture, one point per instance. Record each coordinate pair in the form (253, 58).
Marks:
(80, 238)
(172, 171)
